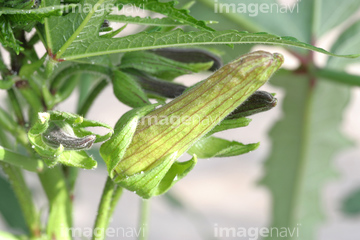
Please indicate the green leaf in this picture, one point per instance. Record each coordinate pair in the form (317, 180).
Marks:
(77, 26)
(330, 14)
(161, 67)
(249, 16)
(114, 33)
(168, 9)
(176, 172)
(29, 69)
(351, 203)
(305, 141)
(304, 20)
(227, 124)
(128, 91)
(201, 11)
(347, 42)
(26, 15)
(7, 38)
(7, 84)
(144, 41)
(10, 209)
(79, 159)
(144, 21)
(209, 147)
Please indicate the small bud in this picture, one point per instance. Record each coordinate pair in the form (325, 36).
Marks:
(260, 101)
(159, 87)
(190, 55)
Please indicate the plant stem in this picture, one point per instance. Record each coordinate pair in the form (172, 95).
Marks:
(18, 160)
(107, 205)
(115, 199)
(8, 236)
(59, 221)
(144, 219)
(79, 68)
(337, 76)
(83, 110)
(16, 107)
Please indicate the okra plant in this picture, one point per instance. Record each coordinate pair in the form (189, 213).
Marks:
(85, 51)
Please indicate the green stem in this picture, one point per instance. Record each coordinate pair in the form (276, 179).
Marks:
(115, 199)
(83, 110)
(24, 196)
(79, 68)
(8, 124)
(337, 76)
(3, 68)
(144, 219)
(21, 161)
(60, 216)
(8, 236)
(105, 209)
(16, 107)
(31, 97)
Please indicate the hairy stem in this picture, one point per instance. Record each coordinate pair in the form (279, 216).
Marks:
(16, 107)
(144, 219)
(60, 219)
(109, 198)
(83, 110)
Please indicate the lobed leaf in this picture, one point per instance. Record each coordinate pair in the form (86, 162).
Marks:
(305, 141)
(144, 41)
(149, 21)
(23, 15)
(7, 38)
(168, 9)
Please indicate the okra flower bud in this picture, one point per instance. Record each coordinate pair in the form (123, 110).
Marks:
(60, 137)
(260, 101)
(154, 139)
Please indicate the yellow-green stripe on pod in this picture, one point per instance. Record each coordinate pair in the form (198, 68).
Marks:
(152, 140)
